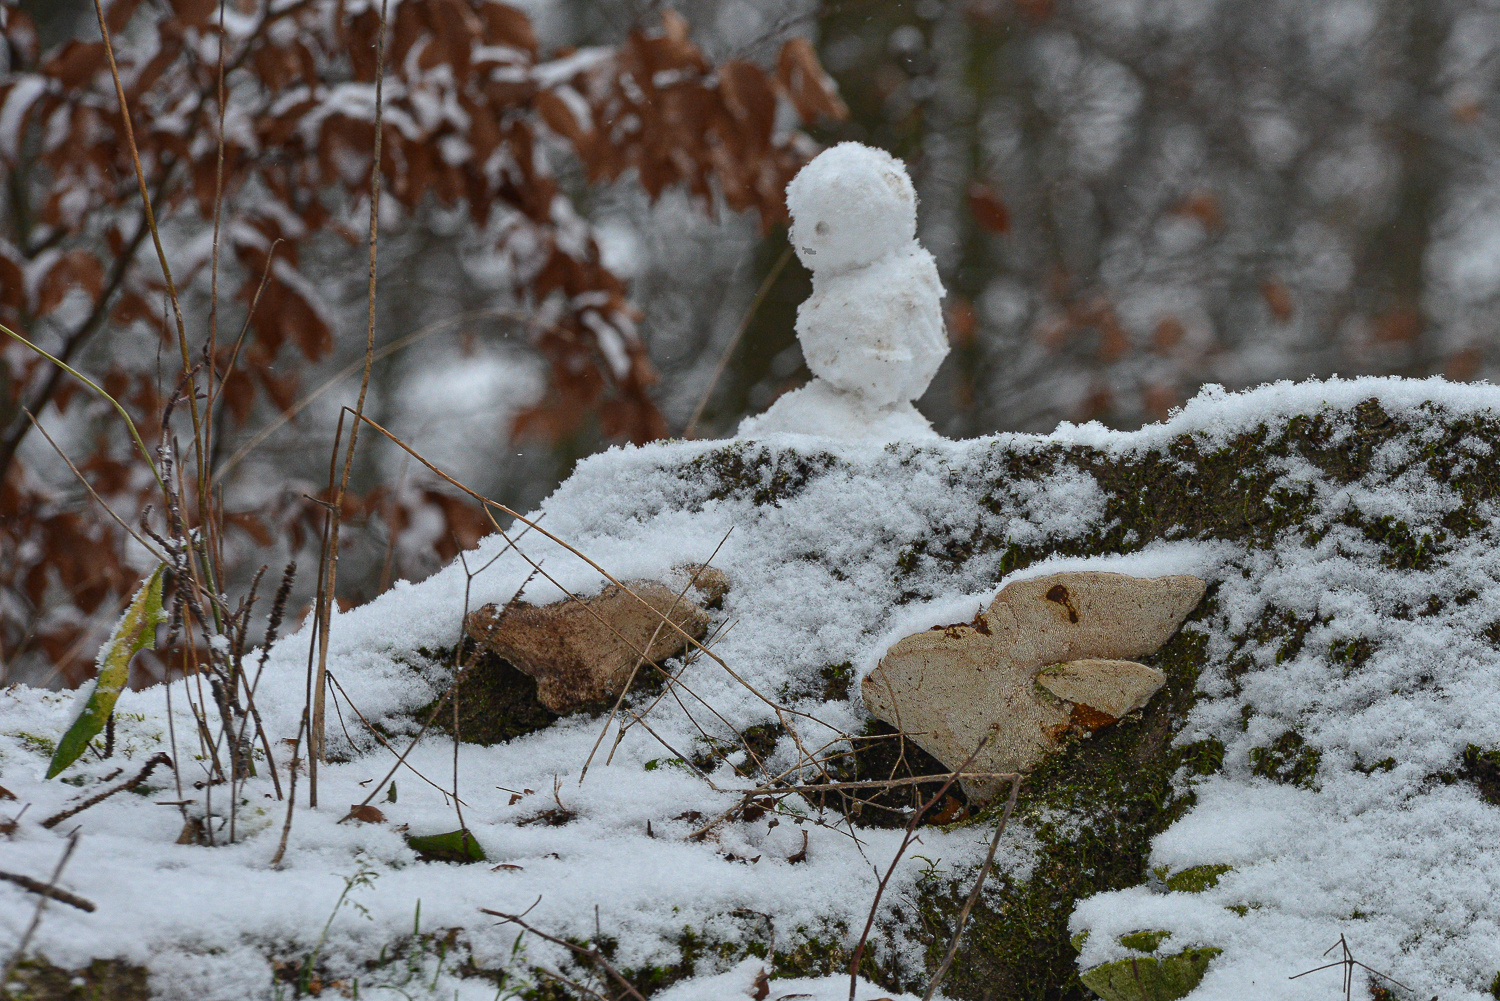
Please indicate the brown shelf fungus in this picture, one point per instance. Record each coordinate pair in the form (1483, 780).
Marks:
(1050, 657)
(582, 651)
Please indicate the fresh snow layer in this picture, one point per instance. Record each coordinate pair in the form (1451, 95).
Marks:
(1407, 869)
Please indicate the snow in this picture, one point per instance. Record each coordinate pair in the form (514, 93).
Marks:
(872, 329)
(1401, 864)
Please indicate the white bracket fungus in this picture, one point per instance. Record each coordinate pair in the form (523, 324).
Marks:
(1050, 657)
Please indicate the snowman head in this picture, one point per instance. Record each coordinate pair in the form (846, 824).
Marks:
(850, 205)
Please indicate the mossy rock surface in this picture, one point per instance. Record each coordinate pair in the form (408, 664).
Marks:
(1095, 808)
(101, 980)
(1150, 978)
(955, 518)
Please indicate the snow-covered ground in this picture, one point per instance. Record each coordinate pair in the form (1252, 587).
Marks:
(1404, 864)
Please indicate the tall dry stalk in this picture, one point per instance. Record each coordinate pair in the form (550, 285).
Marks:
(317, 750)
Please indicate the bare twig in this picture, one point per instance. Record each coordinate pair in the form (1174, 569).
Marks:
(734, 341)
(159, 758)
(150, 214)
(591, 954)
(380, 738)
(641, 659)
(48, 890)
(41, 905)
(315, 743)
(78, 475)
(287, 416)
(291, 795)
(984, 871)
(1348, 962)
(911, 832)
(691, 640)
(427, 723)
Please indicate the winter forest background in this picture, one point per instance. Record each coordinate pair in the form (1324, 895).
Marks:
(581, 226)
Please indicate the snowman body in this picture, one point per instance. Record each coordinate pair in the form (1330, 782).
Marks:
(872, 330)
(876, 330)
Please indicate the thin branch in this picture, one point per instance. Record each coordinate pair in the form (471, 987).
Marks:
(92, 492)
(641, 659)
(287, 416)
(41, 905)
(159, 758)
(592, 954)
(911, 831)
(692, 641)
(48, 890)
(734, 341)
(64, 366)
(984, 871)
(315, 743)
(161, 253)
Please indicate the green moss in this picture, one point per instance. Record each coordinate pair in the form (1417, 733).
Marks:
(754, 472)
(33, 742)
(1203, 757)
(1144, 941)
(1149, 978)
(1351, 654)
(1287, 760)
(1482, 768)
(1197, 879)
(1092, 810)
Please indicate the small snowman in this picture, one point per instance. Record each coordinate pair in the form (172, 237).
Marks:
(872, 330)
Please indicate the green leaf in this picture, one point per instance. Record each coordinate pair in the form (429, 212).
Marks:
(136, 629)
(455, 846)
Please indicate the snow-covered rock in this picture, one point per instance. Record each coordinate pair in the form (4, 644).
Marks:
(1320, 762)
(872, 330)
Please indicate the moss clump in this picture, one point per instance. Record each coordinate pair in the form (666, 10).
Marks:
(1482, 768)
(1150, 978)
(495, 701)
(1197, 879)
(101, 980)
(1288, 760)
(1144, 941)
(1351, 654)
(747, 470)
(1093, 810)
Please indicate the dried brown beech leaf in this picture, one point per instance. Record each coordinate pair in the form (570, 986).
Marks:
(581, 652)
(950, 686)
(367, 814)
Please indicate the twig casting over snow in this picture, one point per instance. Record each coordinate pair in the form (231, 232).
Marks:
(984, 871)
(911, 832)
(41, 905)
(159, 758)
(48, 890)
(592, 954)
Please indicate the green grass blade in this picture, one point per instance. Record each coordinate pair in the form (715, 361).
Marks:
(136, 629)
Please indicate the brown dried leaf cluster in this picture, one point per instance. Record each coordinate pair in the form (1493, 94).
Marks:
(474, 113)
